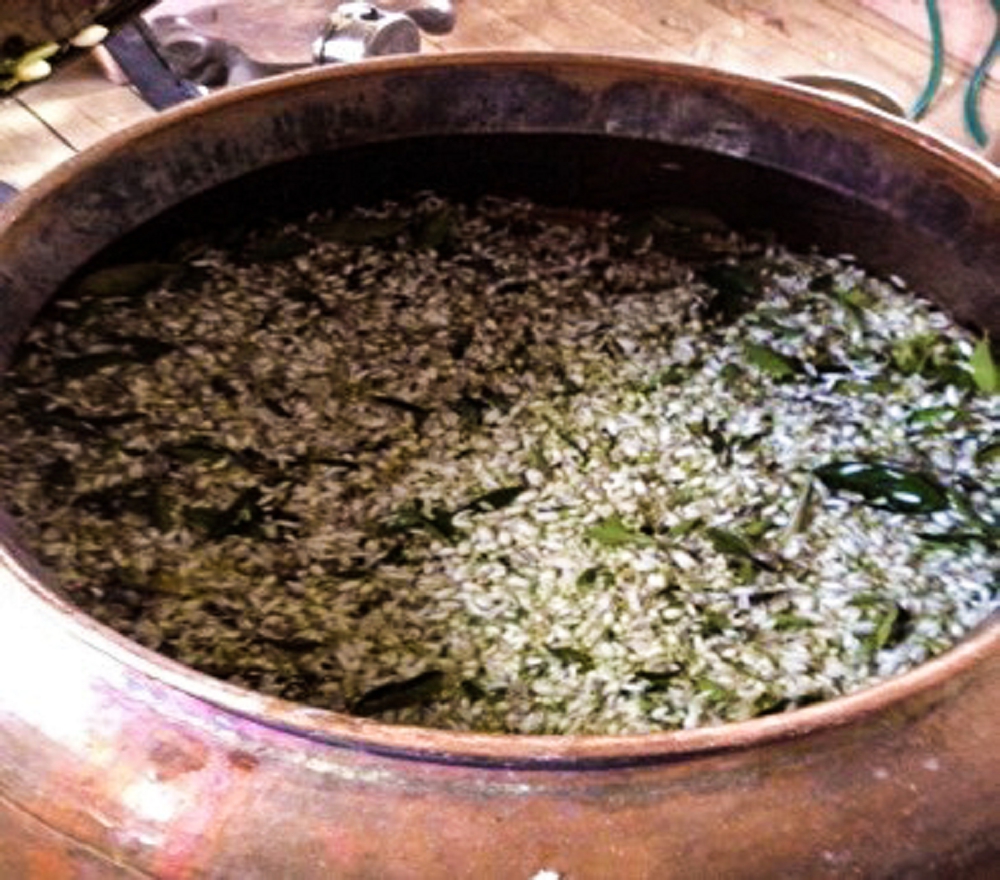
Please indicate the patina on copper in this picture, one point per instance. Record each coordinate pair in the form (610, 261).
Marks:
(115, 762)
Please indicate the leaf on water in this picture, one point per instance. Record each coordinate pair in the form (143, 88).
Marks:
(775, 364)
(885, 486)
(125, 280)
(985, 372)
(496, 499)
(416, 691)
(612, 532)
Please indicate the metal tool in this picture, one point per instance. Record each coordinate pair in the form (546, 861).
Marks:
(353, 31)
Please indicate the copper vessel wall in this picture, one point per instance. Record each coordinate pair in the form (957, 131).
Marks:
(115, 762)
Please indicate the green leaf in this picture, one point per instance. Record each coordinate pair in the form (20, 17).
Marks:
(767, 360)
(353, 229)
(657, 680)
(497, 499)
(685, 527)
(612, 532)
(988, 453)
(737, 547)
(418, 690)
(891, 628)
(910, 356)
(572, 657)
(985, 372)
(886, 486)
(125, 280)
(197, 449)
(736, 288)
(434, 230)
(274, 245)
(804, 512)
(241, 517)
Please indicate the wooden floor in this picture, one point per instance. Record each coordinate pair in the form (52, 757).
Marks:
(883, 42)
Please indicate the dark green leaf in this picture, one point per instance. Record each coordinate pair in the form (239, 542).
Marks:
(496, 499)
(197, 449)
(472, 690)
(988, 453)
(572, 657)
(685, 527)
(958, 539)
(84, 365)
(714, 622)
(886, 486)
(277, 245)
(418, 412)
(933, 415)
(590, 577)
(59, 475)
(910, 356)
(434, 230)
(416, 691)
(775, 364)
(353, 229)
(805, 509)
(612, 532)
(411, 517)
(891, 628)
(788, 621)
(737, 547)
(242, 517)
(125, 280)
(657, 680)
(736, 288)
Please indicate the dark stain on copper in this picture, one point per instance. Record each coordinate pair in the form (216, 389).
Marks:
(243, 761)
(175, 758)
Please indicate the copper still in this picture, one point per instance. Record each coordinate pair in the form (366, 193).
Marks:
(115, 762)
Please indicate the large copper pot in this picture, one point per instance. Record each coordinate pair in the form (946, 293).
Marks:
(115, 762)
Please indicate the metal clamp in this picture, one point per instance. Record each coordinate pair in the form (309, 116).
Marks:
(353, 31)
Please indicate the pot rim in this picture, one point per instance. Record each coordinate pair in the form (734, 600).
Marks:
(924, 685)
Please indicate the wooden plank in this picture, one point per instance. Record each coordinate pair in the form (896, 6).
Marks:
(27, 148)
(83, 106)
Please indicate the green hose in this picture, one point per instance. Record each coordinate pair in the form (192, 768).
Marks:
(973, 124)
(923, 102)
